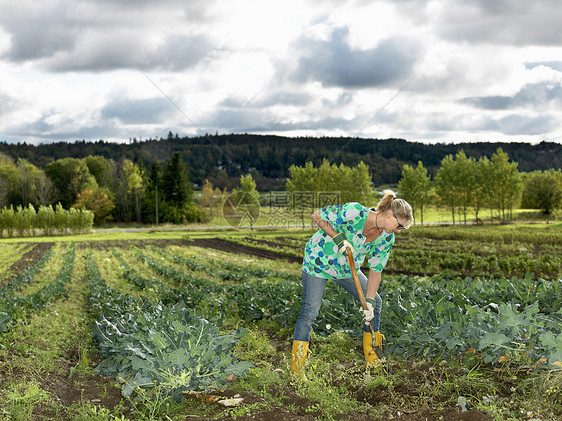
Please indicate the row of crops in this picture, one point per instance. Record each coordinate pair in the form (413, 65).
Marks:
(481, 252)
(14, 306)
(146, 343)
(445, 315)
(176, 322)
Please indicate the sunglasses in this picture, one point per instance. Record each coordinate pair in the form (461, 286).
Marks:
(400, 226)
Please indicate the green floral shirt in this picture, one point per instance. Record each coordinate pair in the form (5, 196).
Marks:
(321, 257)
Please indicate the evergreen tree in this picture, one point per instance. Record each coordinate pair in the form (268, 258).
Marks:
(175, 182)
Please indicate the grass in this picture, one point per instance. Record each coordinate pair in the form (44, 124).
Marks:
(272, 222)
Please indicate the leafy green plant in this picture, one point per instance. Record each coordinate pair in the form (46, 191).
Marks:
(145, 344)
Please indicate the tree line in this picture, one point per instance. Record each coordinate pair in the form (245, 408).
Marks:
(222, 159)
(493, 185)
(120, 191)
(126, 191)
(461, 183)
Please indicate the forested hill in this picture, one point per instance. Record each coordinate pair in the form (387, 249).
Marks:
(223, 158)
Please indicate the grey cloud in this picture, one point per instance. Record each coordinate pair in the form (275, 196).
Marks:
(531, 95)
(492, 6)
(48, 132)
(233, 120)
(89, 36)
(242, 121)
(501, 22)
(140, 111)
(490, 102)
(181, 52)
(334, 63)
(284, 98)
(192, 9)
(512, 124)
(325, 124)
(129, 52)
(37, 33)
(516, 124)
(268, 100)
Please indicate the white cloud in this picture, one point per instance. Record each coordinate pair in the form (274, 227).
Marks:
(73, 69)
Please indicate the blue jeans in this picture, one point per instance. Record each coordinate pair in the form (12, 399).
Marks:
(312, 291)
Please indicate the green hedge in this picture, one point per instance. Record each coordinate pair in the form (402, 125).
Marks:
(46, 220)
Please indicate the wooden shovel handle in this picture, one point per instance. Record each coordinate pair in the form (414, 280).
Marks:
(376, 349)
(356, 281)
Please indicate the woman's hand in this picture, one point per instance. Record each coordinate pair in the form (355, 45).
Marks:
(369, 313)
(345, 246)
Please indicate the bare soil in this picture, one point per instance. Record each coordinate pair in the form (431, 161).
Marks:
(30, 257)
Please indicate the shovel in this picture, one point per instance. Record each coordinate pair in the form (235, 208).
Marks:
(376, 349)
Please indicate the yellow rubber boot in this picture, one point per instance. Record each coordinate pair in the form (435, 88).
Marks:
(298, 358)
(370, 354)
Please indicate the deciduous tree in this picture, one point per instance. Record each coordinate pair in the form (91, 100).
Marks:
(415, 187)
(507, 185)
(70, 176)
(543, 190)
(96, 200)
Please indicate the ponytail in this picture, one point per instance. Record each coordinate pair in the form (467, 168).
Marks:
(387, 198)
(400, 207)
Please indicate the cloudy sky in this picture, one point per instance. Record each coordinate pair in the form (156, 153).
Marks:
(422, 70)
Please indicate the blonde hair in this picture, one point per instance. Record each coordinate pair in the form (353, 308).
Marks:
(400, 207)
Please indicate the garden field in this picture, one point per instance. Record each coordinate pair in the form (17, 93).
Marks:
(174, 325)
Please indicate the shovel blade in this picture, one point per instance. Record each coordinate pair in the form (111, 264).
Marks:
(382, 357)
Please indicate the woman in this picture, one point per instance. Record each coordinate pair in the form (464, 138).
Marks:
(367, 233)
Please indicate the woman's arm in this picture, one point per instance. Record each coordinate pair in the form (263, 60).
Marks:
(324, 225)
(373, 282)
